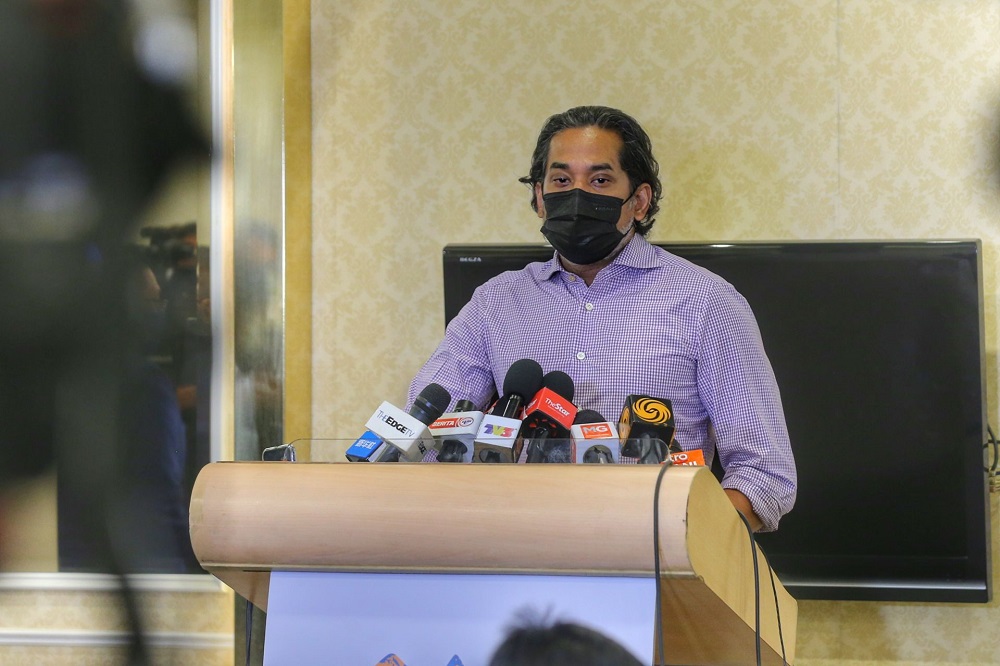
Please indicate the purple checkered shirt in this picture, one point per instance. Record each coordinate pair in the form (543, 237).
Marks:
(652, 324)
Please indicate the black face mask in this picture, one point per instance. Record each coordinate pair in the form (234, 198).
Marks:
(581, 225)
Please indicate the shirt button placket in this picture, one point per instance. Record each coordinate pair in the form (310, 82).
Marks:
(588, 307)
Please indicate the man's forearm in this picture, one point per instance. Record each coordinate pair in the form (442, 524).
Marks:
(742, 504)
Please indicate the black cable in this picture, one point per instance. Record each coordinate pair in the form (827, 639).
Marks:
(656, 560)
(777, 612)
(756, 583)
(996, 449)
(249, 628)
(756, 579)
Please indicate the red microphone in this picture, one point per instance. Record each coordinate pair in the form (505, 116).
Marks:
(548, 419)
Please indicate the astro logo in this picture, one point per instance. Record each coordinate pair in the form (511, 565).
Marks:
(652, 410)
(493, 430)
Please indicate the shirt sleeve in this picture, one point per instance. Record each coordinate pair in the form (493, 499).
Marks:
(461, 363)
(740, 394)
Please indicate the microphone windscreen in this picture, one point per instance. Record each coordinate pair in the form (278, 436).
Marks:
(465, 406)
(558, 451)
(524, 378)
(559, 382)
(589, 416)
(430, 403)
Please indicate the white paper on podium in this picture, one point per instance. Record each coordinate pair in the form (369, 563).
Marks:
(357, 619)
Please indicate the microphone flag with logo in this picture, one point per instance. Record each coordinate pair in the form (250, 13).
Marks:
(646, 429)
(497, 440)
(594, 439)
(548, 418)
(406, 433)
(455, 432)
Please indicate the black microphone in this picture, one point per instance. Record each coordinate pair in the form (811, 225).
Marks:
(524, 378)
(548, 418)
(406, 432)
(465, 406)
(497, 440)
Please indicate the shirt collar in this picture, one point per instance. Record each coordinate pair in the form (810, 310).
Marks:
(638, 253)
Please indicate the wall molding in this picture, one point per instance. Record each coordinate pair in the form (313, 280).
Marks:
(105, 639)
(87, 582)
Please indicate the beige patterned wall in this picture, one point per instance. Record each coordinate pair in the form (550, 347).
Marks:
(772, 119)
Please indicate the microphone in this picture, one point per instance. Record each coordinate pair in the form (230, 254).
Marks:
(548, 418)
(497, 440)
(455, 432)
(646, 429)
(595, 440)
(280, 453)
(406, 433)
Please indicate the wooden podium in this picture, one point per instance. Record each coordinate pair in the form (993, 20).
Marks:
(251, 518)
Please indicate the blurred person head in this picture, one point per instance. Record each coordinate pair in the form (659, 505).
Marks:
(538, 643)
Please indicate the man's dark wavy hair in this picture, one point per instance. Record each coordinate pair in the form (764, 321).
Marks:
(636, 157)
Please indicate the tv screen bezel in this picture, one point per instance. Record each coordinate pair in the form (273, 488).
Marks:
(461, 260)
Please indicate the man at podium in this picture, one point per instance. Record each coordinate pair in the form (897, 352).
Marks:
(621, 316)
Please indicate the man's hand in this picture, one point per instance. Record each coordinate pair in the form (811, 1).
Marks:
(742, 505)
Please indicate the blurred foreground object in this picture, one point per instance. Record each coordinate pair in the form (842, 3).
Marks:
(86, 137)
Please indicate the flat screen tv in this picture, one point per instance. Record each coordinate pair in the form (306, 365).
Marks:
(878, 351)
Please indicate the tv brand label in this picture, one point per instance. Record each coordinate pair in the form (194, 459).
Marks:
(447, 422)
(556, 406)
(367, 444)
(652, 410)
(498, 431)
(393, 423)
(597, 431)
(694, 457)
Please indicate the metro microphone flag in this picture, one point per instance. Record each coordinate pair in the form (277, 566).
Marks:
(646, 429)
(692, 458)
(407, 432)
(497, 440)
(594, 439)
(548, 418)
